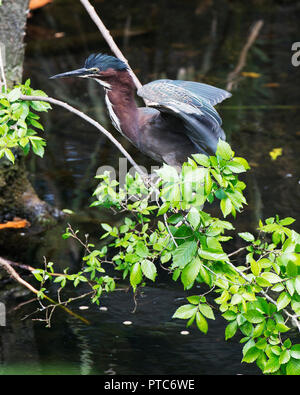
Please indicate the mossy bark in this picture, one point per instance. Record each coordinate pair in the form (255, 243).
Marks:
(13, 16)
(17, 196)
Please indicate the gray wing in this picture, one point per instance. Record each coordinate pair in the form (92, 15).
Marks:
(193, 103)
(210, 93)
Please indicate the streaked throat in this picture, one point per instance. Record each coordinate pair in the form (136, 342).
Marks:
(114, 119)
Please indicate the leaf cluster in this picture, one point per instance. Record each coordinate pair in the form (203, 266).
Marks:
(165, 225)
(19, 122)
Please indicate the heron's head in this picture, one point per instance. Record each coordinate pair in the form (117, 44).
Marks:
(104, 68)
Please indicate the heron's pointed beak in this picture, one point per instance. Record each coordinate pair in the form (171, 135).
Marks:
(75, 73)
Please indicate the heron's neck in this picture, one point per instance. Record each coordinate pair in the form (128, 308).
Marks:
(123, 110)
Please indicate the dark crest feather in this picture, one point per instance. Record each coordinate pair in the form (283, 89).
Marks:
(104, 62)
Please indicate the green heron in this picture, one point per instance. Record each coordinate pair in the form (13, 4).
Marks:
(179, 119)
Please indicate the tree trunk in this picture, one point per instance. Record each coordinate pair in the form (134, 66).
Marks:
(13, 15)
(17, 197)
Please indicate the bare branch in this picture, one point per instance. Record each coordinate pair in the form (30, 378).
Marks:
(243, 55)
(6, 264)
(110, 41)
(2, 78)
(92, 122)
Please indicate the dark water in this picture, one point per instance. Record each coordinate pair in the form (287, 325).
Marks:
(195, 40)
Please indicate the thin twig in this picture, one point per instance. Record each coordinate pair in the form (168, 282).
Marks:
(3, 79)
(243, 55)
(110, 41)
(169, 231)
(6, 264)
(293, 317)
(92, 122)
(237, 251)
(32, 269)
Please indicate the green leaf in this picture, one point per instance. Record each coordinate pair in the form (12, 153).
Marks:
(184, 253)
(208, 183)
(224, 150)
(258, 330)
(37, 275)
(293, 367)
(205, 274)
(255, 267)
(61, 279)
(282, 327)
(184, 312)
(296, 307)
(193, 217)
(246, 236)
(218, 177)
(166, 257)
(36, 124)
(271, 277)
(251, 355)
(202, 159)
(295, 351)
(190, 272)
(9, 155)
(289, 287)
(287, 343)
(206, 311)
(246, 328)
(38, 92)
(106, 227)
(175, 218)
(287, 221)
(163, 208)
(272, 365)
(283, 300)
(226, 207)
(220, 194)
(276, 350)
(231, 329)
(14, 94)
(176, 274)
(242, 161)
(235, 167)
(201, 323)
(136, 275)
(212, 255)
(142, 249)
(149, 269)
(229, 315)
(284, 357)
(262, 282)
(40, 105)
(291, 269)
(194, 299)
(261, 344)
(254, 316)
(37, 146)
(236, 299)
(297, 285)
